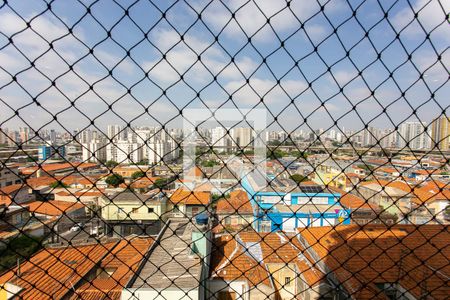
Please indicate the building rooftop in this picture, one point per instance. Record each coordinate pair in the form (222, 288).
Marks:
(129, 196)
(53, 207)
(122, 262)
(53, 272)
(415, 257)
(245, 256)
(171, 264)
(308, 208)
(238, 202)
(190, 197)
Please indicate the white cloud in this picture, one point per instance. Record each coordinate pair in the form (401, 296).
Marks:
(252, 16)
(181, 57)
(431, 13)
(252, 92)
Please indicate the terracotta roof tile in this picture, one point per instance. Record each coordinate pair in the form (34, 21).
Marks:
(238, 202)
(53, 207)
(232, 261)
(190, 197)
(52, 273)
(125, 258)
(377, 254)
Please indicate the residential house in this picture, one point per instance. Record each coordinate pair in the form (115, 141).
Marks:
(361, 211)
(65, 214)
(177, 267)
(331, 174)
(393, 197)
(15, 194)
(251, 265)
(386, 173)
(187, 203)
(284, 205)
(9, 174)
(381, 262)
(431, 203)
(88, 271)
(13, 216)
(235, 211)
(126, 212)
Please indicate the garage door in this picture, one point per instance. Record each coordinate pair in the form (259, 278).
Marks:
(289, 224)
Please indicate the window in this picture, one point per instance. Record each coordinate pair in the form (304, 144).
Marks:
(287, 281)
(135, 210)
(151, 210)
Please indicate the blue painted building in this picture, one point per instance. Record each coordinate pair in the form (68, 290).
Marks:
(51, 152)
(279, 207)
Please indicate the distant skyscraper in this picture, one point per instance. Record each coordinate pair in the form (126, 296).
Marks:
(24, 134)
(115, 132)
(241, 137)
(413, 135)
(53, 136)
(440, 133)
(124, 152)
(3, 138)
(94, 151)
(219, 138)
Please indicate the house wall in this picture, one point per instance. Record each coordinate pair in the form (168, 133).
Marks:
(132, 210)
(280, 275)
(9, 176)
(235, 219)
(290, 221)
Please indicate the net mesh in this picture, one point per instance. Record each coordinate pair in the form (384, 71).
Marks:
(224, 149)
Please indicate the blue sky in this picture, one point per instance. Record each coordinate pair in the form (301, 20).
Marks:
(146, 55)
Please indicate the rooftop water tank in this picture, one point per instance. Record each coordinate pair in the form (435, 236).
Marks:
(202, 219)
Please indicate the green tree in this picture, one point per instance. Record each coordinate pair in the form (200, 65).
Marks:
(21, 247)
(137, 174)
(365, 167)
(114, 180)
(162, 183)
(274, 154)
(111, 164)
(298, 178)
(31, 159)
(209, 163)
(58, 184)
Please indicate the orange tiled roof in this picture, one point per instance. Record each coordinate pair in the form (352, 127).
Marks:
(352, 201)
(56, 167)
(35, 182)
(143, 182)
(387, 170)
(190, 197)
(378, 254)
(195, 172)
(93, 193)
(52, 273)
(238, 202)
(401, 185)
(232, 260)
(9, 189)
(6, 193)
(125, 258)
(53, 207)
(426, 172)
